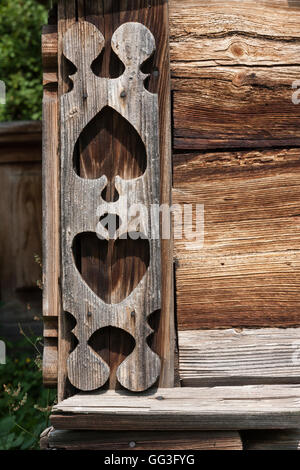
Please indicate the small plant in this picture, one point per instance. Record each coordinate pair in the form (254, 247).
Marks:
(25, 404)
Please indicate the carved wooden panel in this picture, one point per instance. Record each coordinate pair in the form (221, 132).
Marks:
(83, 202)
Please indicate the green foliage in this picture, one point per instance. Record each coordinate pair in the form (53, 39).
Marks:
(24, 403)
(20, 58)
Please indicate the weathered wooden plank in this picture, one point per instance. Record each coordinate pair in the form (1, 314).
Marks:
(271, 440)
(50, 47)
(236, 107)
(51, 214)
(66, 17)
(155, 16)
(246, 273)
(159, 440)
(238, 357)
(82, 202)
(232, 71)
(211, 408)
(242, 32)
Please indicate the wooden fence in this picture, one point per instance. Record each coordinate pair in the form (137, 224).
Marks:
(20, 227)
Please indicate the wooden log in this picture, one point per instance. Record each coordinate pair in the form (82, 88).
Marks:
(177, 440)
(232, 73)
(239, 357)
(246, 273)
(184, 409)
(236, 107)
(241, 32)
(271, 440)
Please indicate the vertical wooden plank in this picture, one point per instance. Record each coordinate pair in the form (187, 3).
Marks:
(107, 16)
(66, 17)
(51, 244)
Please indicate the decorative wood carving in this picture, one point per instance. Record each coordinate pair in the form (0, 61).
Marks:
(83, 205)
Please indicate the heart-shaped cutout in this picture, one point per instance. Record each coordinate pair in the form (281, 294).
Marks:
(113, 268)
(109, 145)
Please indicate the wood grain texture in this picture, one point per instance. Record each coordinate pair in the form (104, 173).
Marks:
(235, 107)
(66, 13)
(271, 440)
(239, 357)
(211, 408)
(236, 32)
(107, 18)
(232, 67)
(177, 440)
(247, 272)
(51, 213)
(133, 43)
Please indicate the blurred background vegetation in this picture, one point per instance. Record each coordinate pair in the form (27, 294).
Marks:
(20, 58)
(24, 403)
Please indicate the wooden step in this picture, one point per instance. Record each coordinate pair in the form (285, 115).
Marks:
(146, 440)
(209, 408)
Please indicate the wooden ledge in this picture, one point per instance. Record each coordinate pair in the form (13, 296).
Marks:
(209, 408)
(17, 132)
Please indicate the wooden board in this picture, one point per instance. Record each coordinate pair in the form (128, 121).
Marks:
(82, 203)
(233, 65)
(107, 19)
(272, 440)
(239, 357)
(247, 271)
(235, 107)
(177, 440)
(211, 408)
(51, 208)
(236, 32)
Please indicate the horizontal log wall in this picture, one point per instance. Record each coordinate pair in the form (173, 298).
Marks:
(236, 139)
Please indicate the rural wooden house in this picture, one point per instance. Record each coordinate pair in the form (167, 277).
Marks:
(181, 343)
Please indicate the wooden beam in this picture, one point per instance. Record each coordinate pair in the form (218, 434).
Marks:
(236, 33)
(271, 440)
(236, 107)
(131, 441)
(239, 357)
(211, 408)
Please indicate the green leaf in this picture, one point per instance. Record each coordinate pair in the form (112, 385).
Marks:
(6, 425)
